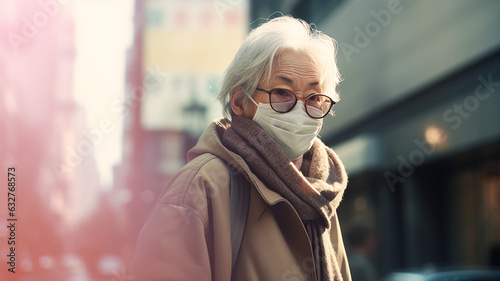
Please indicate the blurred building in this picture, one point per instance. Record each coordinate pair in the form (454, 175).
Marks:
(417, 125)
(64, 228)
(179, 52)
(40, 129)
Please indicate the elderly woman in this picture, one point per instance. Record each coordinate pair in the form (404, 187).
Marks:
(276, 92)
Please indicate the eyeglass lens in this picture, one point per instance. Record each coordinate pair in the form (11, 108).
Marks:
(283, 100)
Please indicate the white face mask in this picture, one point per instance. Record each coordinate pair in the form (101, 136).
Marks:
(294, 131)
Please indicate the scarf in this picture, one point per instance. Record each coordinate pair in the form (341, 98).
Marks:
(315, 191)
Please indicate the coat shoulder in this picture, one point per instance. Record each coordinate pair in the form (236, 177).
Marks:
(202, 180)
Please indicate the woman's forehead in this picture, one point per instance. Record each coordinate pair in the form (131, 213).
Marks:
(293, 67)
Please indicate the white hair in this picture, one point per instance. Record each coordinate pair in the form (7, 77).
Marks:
(260, 47)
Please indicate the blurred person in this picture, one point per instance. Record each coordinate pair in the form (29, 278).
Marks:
(361, 243)
(276, 92)
(494, 255)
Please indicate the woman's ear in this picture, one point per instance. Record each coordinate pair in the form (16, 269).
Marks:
(237, 101)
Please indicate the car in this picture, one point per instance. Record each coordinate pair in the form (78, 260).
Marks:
(446, 275)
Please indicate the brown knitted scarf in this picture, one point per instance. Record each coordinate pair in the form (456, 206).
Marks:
(315, 191)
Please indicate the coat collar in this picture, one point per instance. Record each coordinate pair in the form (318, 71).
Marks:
(210, 142)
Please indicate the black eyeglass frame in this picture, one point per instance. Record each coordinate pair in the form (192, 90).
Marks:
(304, 100)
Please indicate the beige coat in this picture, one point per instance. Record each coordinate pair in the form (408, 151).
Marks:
(187, 236)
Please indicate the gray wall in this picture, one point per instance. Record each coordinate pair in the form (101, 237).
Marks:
(387, 62)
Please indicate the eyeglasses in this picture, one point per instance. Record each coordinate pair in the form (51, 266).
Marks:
(282, 100)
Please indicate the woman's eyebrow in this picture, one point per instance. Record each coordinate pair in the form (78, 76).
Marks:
(286, 79)
(290, 81)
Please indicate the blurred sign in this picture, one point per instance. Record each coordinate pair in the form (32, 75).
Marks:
(191, 42)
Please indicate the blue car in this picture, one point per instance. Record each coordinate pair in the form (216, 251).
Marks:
(452, 275)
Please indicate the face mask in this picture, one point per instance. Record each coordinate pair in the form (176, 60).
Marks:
(294, 131)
